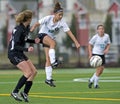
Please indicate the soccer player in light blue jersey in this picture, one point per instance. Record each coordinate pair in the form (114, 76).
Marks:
(99, 45)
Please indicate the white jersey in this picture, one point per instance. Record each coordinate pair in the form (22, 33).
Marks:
(99, 43)
(50, 28)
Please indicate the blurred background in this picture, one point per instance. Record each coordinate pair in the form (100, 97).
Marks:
(82, 16)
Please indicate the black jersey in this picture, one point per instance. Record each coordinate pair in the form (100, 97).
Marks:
(19, 38)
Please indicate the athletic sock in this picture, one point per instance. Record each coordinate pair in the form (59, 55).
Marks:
(93, 77)
(52, 55)
(48, 71)
(20, 84)
(96, 80)
(28, 86)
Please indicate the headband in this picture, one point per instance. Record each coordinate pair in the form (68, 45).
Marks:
(60, 10)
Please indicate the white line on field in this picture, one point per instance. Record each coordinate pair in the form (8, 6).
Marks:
(102, 79)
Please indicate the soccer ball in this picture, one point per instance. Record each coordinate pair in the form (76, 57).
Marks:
(95, 61)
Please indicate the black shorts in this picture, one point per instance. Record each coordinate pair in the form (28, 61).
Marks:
(16, 58)
(41, 37)
(102, 56)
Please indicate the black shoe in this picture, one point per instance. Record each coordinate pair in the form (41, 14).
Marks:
(50, 83)
(24, 96)
(96, 87)
(16, 96)
(56, 63)
(90, 84)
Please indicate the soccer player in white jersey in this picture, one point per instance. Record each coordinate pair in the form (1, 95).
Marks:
(49, 26)
(99, 45)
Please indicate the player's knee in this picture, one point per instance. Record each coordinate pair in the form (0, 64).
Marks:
(28, 74)
(52, 44)
(47, 59)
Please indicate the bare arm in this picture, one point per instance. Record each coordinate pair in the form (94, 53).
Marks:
(107, 49)
(90, 50)
(73, 38)
(34, 26)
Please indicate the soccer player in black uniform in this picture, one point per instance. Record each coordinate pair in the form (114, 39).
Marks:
(18, 58)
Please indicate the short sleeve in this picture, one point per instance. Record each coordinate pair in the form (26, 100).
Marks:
(43, 20)
(92, 40)
(65, 26)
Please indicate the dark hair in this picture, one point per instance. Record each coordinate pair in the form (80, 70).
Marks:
(100, 26)
(58, 8)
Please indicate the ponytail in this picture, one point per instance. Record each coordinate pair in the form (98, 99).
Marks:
(58, 8)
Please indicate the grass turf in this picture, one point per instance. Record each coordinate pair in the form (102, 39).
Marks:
(67, 91)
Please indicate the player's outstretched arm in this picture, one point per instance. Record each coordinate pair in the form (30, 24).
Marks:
(34, 26)
(73, 38)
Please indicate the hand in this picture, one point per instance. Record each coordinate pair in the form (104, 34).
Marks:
(105, 51)
(30, 49)
(31, 29)
(90, 56)
(77, 45)
(37, 40)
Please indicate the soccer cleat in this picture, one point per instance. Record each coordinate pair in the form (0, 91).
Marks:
(96, 87)
(56, 63)
(50, 83)
(16, 96)
(24, 96)
(90, 84)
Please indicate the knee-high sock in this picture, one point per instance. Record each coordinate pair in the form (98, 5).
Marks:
(52, 55)
(28, 86)
(96, 80)
(20, 84)
(93, 77)
(48, 71)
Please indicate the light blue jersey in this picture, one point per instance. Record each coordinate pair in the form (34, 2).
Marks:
(99, 43)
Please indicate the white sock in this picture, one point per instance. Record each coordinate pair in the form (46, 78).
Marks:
(48, 71)
(52, 55)
(93, 77)
(96, 80)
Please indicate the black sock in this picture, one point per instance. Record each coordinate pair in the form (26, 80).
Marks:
(20, 84)
(28, 86)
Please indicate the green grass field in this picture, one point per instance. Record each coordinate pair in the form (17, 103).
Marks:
(72, 87)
